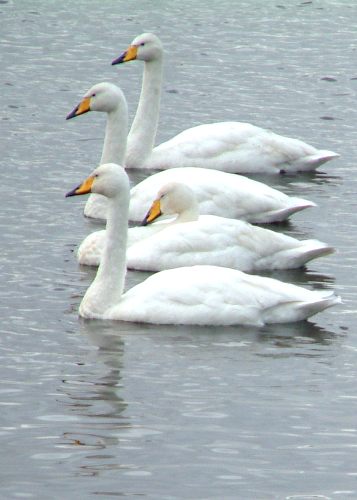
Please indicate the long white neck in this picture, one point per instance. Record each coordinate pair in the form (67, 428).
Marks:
(107, 287)
(113, 152)
(142, 134)
(114, 147)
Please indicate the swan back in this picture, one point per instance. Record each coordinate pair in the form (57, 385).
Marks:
(231, 147)
(190, 295)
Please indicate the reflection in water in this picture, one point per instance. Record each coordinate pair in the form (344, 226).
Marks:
(139, 417)
(310, 180)
(95, 398)
(115, 409)
(292, 341)
(303, 277)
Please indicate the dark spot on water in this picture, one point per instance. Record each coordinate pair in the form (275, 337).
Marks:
(354, 78)
(280, 6)
(9, 84)
(203, 53)
(12, 106)
(172, 91)
(306, 3)
(2, 2)
(34, 13)
(344, 328)
(327, 118)
(329, 79)
(88, 139)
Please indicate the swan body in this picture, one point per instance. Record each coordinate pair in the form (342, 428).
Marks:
(90, 250)
(197, 295)
(234, 147)
(218, 193)
(192, 239)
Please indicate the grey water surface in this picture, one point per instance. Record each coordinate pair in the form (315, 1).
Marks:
(92, 409)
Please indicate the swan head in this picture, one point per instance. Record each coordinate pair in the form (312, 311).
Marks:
(104, 96)
(145, 47)
(173, 198)
(109, 179)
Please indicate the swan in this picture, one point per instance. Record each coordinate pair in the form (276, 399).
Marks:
(191, 239)
(108, 98)
(229, 146)
(218, 193)
(196, 295)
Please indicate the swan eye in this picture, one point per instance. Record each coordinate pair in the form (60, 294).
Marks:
(142, 44)
(93, 95)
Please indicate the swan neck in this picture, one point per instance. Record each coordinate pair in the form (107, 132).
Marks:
(142, 134)
(115, 138)
(108, 285)
(190, 214)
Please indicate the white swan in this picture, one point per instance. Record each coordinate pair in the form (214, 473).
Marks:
(218, 193)
(201, 295)
(192, 239)
(110, 99)
(228, 146)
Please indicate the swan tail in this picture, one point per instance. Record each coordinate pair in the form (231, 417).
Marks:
(311, 162)
(309, 309)
(294, 258)
(280, 215)
(299, 311)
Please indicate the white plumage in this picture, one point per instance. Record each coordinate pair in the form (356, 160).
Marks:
(228, 146)
(218, 193)
(192, 239)
(200, 295)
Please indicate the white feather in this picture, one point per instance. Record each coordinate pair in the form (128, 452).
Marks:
(192, 239)
(234, 147)
(200, 295)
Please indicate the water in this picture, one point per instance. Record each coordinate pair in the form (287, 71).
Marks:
(97, 409)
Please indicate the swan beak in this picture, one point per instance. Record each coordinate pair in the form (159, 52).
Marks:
(83, 188)
(153, 213)
(129, 55)
(83, 107)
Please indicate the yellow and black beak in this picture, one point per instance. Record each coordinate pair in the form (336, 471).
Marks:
(83, 107)
(153, 213)
(129, 55)
(83, 188)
